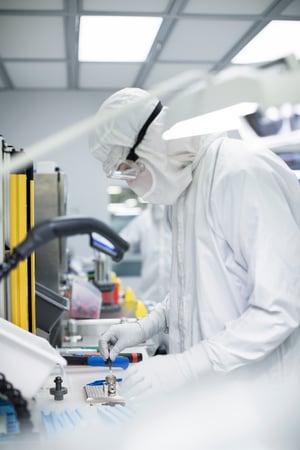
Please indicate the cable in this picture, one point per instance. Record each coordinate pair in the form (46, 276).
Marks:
(20, 404)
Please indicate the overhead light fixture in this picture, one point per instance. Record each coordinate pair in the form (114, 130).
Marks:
(222, 120)
(116, 38)
(276, 40)
(262, 105)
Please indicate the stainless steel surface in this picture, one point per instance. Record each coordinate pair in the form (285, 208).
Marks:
(71, 335)
(50, 201)
(91, 329)
(102, 264)
(94, 327)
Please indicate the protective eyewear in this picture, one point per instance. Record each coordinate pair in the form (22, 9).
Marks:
(126, 170)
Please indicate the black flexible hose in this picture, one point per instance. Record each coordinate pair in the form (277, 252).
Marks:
(63, 226)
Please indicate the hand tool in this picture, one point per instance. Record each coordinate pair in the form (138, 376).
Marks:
(95, 360)
(133, 357)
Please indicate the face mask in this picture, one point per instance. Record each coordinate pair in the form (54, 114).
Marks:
(142, 183)
(160, 183)
(168, 164)
(166, 186)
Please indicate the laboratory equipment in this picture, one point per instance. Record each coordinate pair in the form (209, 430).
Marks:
(102, 280)
(38, 357)
(257, 101)
(106, 393)
(50, 200)
(58, 391)
(50, 307)
(26, 359)
(96, 361)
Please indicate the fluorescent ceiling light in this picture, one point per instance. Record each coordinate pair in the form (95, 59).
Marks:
(115, 38)
(222, 120)
(278, 39)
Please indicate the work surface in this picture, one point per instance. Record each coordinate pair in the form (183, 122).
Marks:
(60, 420)
(206, 416)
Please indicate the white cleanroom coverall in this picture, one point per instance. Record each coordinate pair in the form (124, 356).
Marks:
(234, 302)
(150, 233)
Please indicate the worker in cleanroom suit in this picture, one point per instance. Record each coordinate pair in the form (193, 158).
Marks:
(150, 233)
(234, 301)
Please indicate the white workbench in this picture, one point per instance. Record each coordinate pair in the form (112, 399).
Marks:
(56, 422)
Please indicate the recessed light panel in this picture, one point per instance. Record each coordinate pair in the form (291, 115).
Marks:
(278, 39)
(115, 38)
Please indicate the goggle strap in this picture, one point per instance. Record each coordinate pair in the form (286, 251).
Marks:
(132, 156)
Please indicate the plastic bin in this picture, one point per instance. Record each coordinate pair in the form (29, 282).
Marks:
(26, 359)
(86, 300)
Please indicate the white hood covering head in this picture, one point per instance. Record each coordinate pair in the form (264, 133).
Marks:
(169, 164)
(111, 141)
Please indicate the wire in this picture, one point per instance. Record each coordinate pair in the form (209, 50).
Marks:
(20, 404)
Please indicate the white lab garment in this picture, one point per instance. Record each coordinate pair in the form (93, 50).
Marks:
(151, 233)
(237, 261)
(236, 250)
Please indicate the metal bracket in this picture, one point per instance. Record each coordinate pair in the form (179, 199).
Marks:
(106, 394)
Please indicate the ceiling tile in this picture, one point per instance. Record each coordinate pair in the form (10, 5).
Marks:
(31, 37)
(37, 75)
(32, 4)
(227, 6)
(129, 5)
(107, 75)
(164, 71)
(293, 9)
(202, 40)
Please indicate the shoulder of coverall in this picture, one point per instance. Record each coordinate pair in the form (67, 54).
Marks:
(236, 160)
(235, 155)
(200, 145)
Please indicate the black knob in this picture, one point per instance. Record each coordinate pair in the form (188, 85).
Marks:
(59, 390)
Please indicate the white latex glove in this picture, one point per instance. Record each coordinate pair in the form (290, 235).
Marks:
(118, 337)
(165, 373)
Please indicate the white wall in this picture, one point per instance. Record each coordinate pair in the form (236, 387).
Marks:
(27, 117)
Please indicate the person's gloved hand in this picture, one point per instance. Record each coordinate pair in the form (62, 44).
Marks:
(165, 373)
(118, 337)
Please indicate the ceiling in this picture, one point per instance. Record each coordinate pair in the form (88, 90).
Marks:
(39, 40)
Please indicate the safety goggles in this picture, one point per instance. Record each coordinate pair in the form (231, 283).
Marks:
(126, 170)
